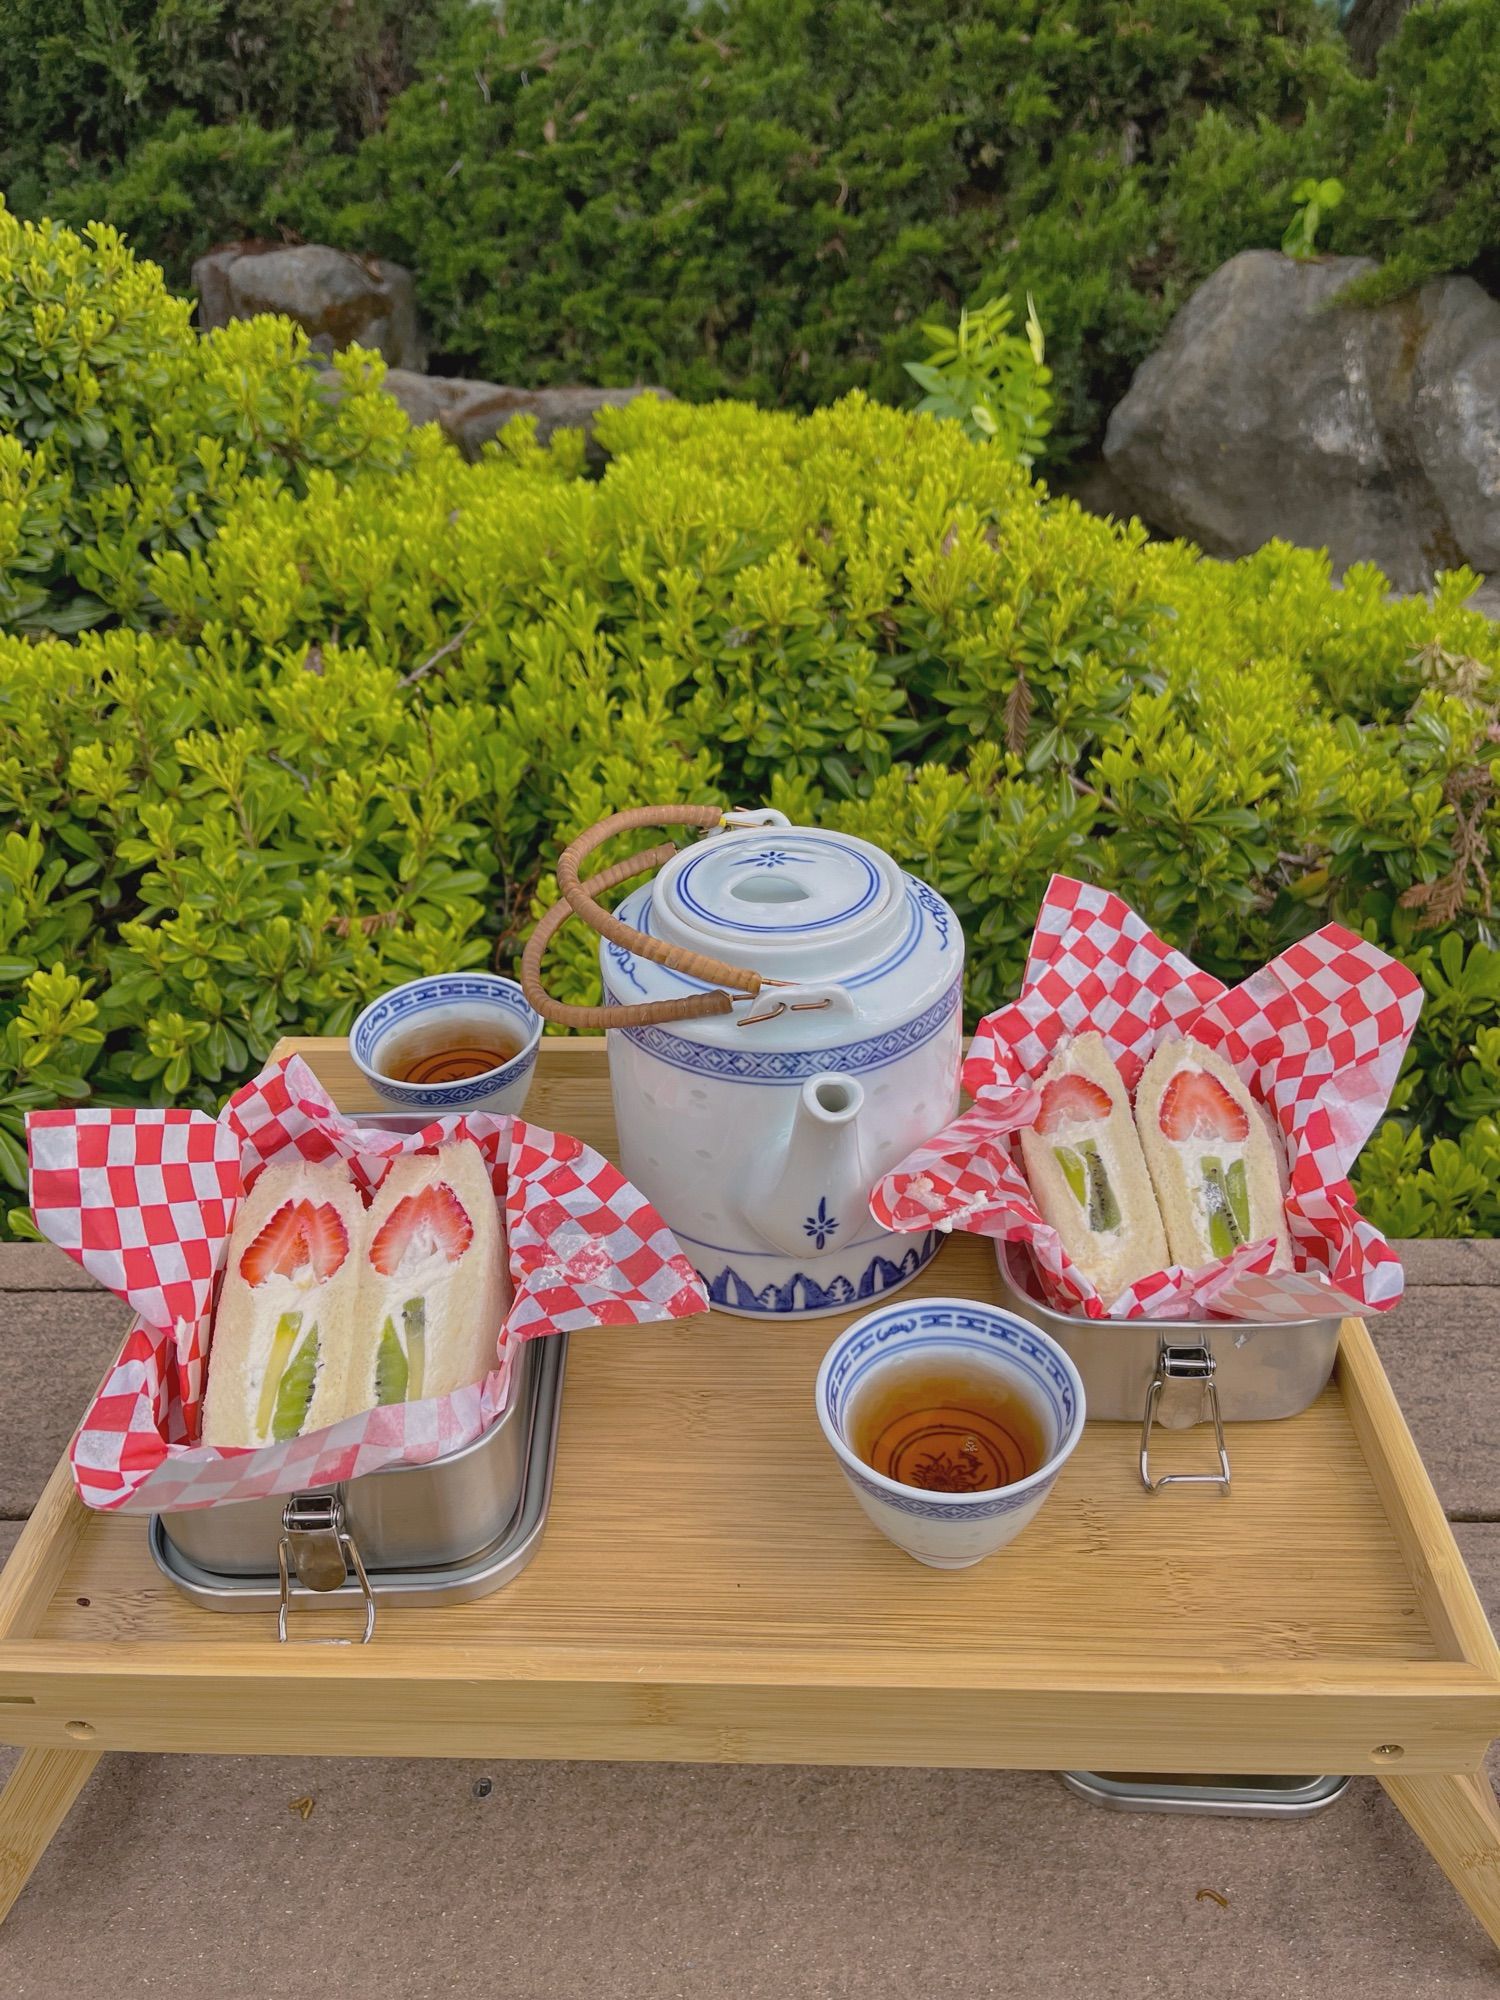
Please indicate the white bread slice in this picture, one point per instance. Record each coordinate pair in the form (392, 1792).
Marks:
(276, 1313)
(429, 1322)
(1278, 1149)
(1135, 1244)
(1192, 1172)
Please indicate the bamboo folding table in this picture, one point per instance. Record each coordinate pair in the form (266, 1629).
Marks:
(706, 1590)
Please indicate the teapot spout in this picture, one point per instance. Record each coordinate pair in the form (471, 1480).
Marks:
(814, 1196)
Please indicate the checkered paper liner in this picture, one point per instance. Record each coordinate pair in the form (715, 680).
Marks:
(1317, 1035)
(145, 1201)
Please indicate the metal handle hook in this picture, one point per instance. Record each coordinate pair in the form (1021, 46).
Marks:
(1184, 1364)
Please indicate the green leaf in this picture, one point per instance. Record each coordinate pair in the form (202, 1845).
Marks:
(12, 1162)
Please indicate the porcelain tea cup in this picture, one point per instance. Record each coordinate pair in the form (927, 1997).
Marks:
(439, 1002)
(943, 1529)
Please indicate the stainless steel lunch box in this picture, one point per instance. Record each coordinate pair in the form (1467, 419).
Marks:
(411, 1517)
(455, 1528)
(416, 1534)
(1179, 1372)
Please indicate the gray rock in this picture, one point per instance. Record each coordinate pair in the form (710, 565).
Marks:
(1456, 413)
(339, 298)
(1370, 24)
(473, 412)
(1371, 432)
(426, 399)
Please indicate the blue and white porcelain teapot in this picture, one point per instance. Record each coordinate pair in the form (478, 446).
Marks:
(784, 1008)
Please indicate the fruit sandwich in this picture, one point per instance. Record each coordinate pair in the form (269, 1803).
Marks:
(373, 1286)
(1190, 1170)
(1162, 1145)
(1214, 1157)
(1087, 1172)
(329, 1308)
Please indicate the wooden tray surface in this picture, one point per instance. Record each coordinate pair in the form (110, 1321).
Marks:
(707, 1587)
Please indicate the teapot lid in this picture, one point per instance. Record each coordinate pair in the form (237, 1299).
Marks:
(791, 902)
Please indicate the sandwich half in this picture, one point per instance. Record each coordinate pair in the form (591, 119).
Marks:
(284, 1329)
(433, 1284)
(1212, 1156)
(1087, 1173)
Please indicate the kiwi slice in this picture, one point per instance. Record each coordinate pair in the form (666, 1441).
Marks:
(1074, 1172)
(287, 1328)
(414, 1320)
(1084, 1172)
(390, 1367)
(1238, 1190)
(1104, 1210)
(296, 1391)
(1227, 1200)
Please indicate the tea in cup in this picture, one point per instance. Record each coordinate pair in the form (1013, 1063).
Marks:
(463, 1041)
(951, 1420)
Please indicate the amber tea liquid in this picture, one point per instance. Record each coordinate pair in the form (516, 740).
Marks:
(946, 1425)
(448, 1050)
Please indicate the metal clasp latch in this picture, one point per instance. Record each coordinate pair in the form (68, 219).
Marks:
(1194, 1368)
(750, 816)
(315, 1543)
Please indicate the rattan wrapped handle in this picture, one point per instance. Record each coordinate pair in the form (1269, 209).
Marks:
(581, 898)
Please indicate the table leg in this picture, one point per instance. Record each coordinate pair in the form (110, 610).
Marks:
(32, 1807)
(1458, 1822)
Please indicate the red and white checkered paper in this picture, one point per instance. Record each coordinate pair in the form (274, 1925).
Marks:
(145, 1201)
(1317, 1035)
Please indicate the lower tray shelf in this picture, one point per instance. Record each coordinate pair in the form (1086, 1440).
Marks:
(1211, 1797)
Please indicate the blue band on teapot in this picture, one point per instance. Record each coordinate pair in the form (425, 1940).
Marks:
(802, 1293)
(746, 1065)
(924, 907)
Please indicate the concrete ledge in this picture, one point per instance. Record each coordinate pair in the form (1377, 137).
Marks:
(54, 1349)
(35, 1267)
(1441, 1349)
(1450, 1260)
(40, 1267)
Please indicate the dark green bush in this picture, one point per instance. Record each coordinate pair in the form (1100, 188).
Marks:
(760, 197)
(295, 788)
(190, 186)
(87, 81)
(757, 197)
(1417, 149)
(763, 198)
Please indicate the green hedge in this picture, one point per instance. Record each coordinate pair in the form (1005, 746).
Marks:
(761, 197)
(360, 708)
(88, 81)
(123, 434)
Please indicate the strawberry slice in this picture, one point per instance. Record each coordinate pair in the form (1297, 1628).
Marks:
(303, 1241)
(1196, 1105)
(1072, 1100)
(431, 1223)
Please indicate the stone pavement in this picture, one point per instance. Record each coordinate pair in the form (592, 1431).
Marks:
(195, 1877)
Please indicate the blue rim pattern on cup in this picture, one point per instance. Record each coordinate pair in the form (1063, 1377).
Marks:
(989, 1332)
(420, 996)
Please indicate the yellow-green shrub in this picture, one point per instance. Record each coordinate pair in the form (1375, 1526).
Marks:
(299, 787)
(122, 432)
